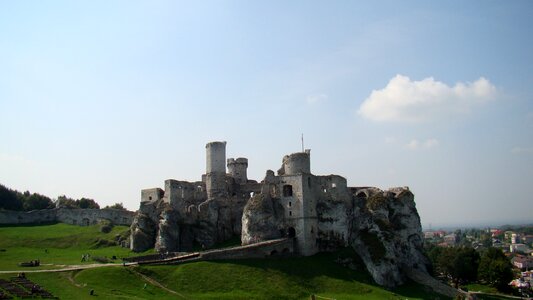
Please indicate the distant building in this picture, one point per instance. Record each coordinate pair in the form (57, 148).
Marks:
(527, 239)
(522, 262)
(518, 248)
(450, 239)
(515, 238)
(496, 232)
(508, 235)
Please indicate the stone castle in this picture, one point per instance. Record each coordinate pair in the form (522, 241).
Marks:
(319, 213)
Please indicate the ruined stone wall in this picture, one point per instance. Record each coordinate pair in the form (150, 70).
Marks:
(151, 194)
(70, 216)
(86, 217)
(334, 208)
(270, 248)
(8, 217)
(180, 194)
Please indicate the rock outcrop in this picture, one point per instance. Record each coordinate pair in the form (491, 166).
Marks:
(383, 227)
(387, 235)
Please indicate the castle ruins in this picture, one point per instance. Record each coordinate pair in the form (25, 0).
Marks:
(317, 213)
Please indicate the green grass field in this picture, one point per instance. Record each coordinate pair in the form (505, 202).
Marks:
(55, 245)
(281, 278)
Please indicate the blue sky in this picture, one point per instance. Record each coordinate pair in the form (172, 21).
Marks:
(104, 98)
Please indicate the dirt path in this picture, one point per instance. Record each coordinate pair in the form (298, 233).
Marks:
(67, 268)
(156, 283)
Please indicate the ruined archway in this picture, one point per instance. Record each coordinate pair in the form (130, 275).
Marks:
(291, 232)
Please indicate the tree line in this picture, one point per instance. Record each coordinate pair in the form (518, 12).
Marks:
(463, 265)
(15, 200)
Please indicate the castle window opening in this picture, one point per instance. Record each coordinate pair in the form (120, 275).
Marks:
(309, 181)
(150, 198)
(287, 190)
(325, 191)
(290, 203)
(290, 213)
(333, 185)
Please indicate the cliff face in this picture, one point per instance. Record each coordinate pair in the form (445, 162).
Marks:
(179, 228)
(383, 227)
(387, 235)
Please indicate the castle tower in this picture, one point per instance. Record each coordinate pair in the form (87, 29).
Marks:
(237, 169)
(215, 179)
(297, 163)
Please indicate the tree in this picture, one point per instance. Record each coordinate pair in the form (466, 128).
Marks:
(87, 203)
(66, 202)
(116, 206)
(36, 201)
(459, 264)
(495, 268)
(9, 199)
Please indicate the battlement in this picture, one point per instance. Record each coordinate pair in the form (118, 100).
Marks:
(296, 163)
(237, 169)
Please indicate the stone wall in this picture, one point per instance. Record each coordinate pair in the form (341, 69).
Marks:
(278, 247)
(81, 217)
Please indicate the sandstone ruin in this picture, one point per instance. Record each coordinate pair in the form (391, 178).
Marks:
(317, 213)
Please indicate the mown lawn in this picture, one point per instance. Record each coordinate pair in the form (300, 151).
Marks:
(58, 244)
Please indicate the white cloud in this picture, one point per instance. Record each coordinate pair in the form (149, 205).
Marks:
(404, 100)
(522, 150)
(427, 144)
(313, 99)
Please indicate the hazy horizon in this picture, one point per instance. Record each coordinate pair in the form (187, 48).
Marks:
(103, 99)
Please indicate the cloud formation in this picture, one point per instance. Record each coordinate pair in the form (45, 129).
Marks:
(404, 100)
(427, 144)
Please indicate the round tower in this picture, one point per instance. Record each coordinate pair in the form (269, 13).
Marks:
(297, 163)
(215, 177)
(215, 157)
(237, 168)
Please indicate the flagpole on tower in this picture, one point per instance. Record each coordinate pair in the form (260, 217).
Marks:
(302, 142)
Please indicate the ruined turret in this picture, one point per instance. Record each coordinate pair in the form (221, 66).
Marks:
(237, 169)
(215, 173)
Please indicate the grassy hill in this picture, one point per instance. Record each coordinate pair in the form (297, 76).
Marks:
(281, 278)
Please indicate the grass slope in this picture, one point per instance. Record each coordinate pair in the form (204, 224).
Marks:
(64, 245)
(288, 278)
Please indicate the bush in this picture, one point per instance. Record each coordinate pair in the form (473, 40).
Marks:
(376, 202)
(106, 226)
(101, 259)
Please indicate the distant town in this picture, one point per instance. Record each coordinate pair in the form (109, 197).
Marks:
(516, 243)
